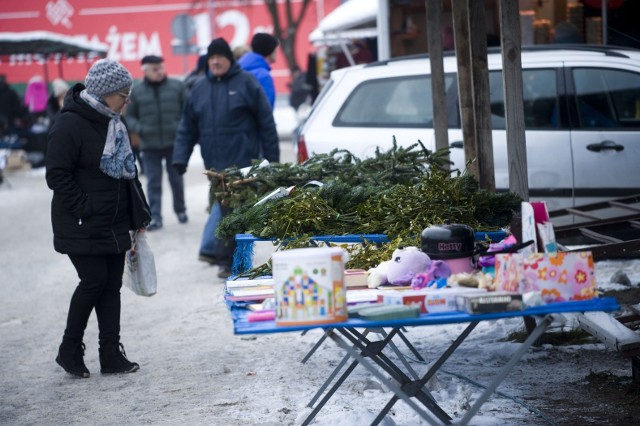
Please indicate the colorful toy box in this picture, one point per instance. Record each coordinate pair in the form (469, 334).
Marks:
(309, 286)
(559, 277)
(430, 301)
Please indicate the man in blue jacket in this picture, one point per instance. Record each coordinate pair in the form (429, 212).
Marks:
(258, 62)
(229, 115)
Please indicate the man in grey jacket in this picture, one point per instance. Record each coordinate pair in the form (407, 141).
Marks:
(153, 117)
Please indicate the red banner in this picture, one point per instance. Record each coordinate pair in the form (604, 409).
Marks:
(131, 29)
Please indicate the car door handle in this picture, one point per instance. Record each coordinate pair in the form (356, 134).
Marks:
(605, 145)
(456, 144)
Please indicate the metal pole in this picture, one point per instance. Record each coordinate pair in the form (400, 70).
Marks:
(382, 23)
(605, 23)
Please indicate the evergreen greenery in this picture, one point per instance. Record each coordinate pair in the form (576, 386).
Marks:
(398, 193)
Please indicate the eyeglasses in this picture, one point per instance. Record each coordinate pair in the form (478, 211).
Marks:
(126, 95)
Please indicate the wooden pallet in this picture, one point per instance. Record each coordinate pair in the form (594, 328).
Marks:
(610, 228)
(612, 331)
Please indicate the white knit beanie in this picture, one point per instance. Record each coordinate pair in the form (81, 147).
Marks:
(59, 87)
(106, 77)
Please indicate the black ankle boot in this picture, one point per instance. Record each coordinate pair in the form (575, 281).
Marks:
(71, 358)
(113, 359)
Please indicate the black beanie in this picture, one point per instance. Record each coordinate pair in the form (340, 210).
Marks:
(219, 46)
(264, 44)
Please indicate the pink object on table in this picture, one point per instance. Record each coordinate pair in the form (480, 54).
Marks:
(261, 316)
(457, 266)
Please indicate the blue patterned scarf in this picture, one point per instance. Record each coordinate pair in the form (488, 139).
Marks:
(117, 158)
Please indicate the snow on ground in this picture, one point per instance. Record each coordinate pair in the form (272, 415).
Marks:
(194, 371)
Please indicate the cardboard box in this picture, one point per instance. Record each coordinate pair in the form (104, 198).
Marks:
(309, 286)
(491, 302)
(17, 160)
(430, 301)
(354, 278)
(444, 299)
(404, 297)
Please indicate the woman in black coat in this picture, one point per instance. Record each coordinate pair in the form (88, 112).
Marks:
(97, 199)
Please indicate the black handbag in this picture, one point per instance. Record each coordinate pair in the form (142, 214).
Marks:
(140, 210)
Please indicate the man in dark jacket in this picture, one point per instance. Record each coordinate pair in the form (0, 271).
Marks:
(258, 62)
(229, 116)
(153, 117)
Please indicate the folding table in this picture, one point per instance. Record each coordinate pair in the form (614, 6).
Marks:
(243, 255)
(371, 355)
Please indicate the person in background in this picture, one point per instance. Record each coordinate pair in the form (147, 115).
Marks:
(258, 62)
(229, 115)
(36, 95)
(153, 116)
(59, 89)
(197, 73)
(299, 88)
(97, 200)
(239, 51)
(11, 109)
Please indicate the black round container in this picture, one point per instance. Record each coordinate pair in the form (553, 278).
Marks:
(450, 241)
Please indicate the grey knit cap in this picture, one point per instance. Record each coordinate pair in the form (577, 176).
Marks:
(107, 76)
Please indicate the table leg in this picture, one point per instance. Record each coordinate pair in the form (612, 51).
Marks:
(412, 348)
(317, 345)
(368, 348)
(373, 350)
(533, 336)
(430, 373)
(334, 373)
(329, 394)
(401, 357)
(374, 371)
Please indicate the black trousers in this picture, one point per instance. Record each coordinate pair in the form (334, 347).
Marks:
(99, 289)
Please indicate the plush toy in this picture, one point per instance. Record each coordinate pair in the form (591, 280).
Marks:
(434, 277)
(400, 270)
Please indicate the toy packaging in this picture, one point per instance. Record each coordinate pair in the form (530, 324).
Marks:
(495, 301)
(309, 286)
(444, 299)
(430, 301)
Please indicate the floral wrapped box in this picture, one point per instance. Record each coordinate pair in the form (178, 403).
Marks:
(559, 277)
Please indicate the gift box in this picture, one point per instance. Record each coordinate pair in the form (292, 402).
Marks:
(559, 277)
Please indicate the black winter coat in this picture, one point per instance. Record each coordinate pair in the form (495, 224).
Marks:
(91, 212)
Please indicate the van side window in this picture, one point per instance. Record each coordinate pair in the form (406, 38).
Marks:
(390, 102)
(607, 98)
(539, 96)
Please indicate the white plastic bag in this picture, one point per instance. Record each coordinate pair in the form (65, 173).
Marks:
(140, 266)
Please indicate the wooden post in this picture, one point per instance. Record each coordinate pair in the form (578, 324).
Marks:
(433, 10)
(460, 12)
(514, 112)
(481, 96)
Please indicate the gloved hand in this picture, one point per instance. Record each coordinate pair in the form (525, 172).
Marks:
(180, 168)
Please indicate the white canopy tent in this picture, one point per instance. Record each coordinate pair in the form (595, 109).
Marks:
(354, 19)
(46, 43)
